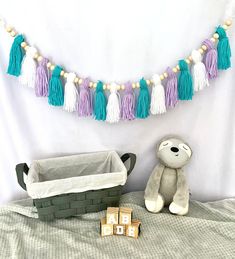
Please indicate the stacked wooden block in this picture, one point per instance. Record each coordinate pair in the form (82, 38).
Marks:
(119, 222)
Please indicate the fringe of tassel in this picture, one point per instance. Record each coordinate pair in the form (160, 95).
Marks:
(128, 107)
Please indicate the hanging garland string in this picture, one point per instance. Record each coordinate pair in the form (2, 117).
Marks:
(34, 70)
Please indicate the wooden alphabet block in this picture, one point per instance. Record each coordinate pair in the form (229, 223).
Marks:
(105, 229)
(119, 230)
(112, 215)
(125, 216)
(133, 230)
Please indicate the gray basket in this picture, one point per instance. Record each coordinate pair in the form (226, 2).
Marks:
(70, 204)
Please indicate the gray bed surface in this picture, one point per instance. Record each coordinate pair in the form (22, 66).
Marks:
(208, 231)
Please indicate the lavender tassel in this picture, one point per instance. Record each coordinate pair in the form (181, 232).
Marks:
(210, 59)
(128, 103)
(85, 103)
(171, 89)
(42, 79)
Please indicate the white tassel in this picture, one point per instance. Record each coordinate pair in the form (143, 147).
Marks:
(157, 105)
(70, 94)
(28, 68)
(113, 106)
(200, 79)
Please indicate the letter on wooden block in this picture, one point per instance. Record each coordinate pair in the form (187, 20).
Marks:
(119, 230)
(105, 229)
(112, 215)
(125, 216)
(133, 230)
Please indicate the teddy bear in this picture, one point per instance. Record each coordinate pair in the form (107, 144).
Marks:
(167, 185)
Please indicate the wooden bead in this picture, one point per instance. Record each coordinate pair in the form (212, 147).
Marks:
(133, 85)
(13, 33)
(165, 74)
(80, 81)
(228, 22)
(65, 75)
(204, 47)
(104, 86)
(23, 44)
(9, 29)
(123, 87)
(36, 55)
(187, 61)
(190, 58)
(213, 40)
(137, 85)
(62, 73)
(148, 82)
(49, 64)
(216, 36)
(26, 48)
(118, 87)
(178, 68)
(201, 50)
(162, 77)
(94, 85)
(91, 84)
(225, 26)
(39, 59)
(174, 70)
(76, 80)
(52, 67)
(108, 86)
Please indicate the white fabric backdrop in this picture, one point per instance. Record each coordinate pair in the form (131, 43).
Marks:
(116, 41)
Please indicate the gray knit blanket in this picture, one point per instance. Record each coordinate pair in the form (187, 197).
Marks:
(208, 231)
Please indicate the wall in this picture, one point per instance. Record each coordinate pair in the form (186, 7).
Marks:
(117, 41)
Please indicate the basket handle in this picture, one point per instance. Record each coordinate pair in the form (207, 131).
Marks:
(20, 170)
(132, 158)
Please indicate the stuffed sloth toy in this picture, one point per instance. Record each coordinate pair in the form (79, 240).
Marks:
(167, 184)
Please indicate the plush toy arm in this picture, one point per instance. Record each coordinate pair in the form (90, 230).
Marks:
(152, 188)
(181, 198)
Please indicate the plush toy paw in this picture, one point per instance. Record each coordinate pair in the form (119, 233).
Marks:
(155, 206)
(178, 210)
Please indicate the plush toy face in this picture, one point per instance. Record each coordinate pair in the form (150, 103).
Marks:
(174, 152)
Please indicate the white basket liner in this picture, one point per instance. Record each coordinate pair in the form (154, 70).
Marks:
(74, 174)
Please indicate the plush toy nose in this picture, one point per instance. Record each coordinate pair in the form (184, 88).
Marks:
(174, 149)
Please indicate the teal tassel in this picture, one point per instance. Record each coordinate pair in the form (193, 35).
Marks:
(100, 103)
(143, 102)
(16, 56)
(56, 90)
(185, 82)
(223, 49)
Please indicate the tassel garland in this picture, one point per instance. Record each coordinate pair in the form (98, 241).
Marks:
(171, 89)
(85, 102)
(56, 91)
(143, 102)
(33, 71)
(199, 71)
(224, 50)
(185, 83)
(210, 59)
(128, 103)
(16, 56)
(42, 78)
(100, 103)
(70, 94)
(28, 68)
(158, 96)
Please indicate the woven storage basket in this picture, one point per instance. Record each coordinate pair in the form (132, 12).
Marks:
(58, 192)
